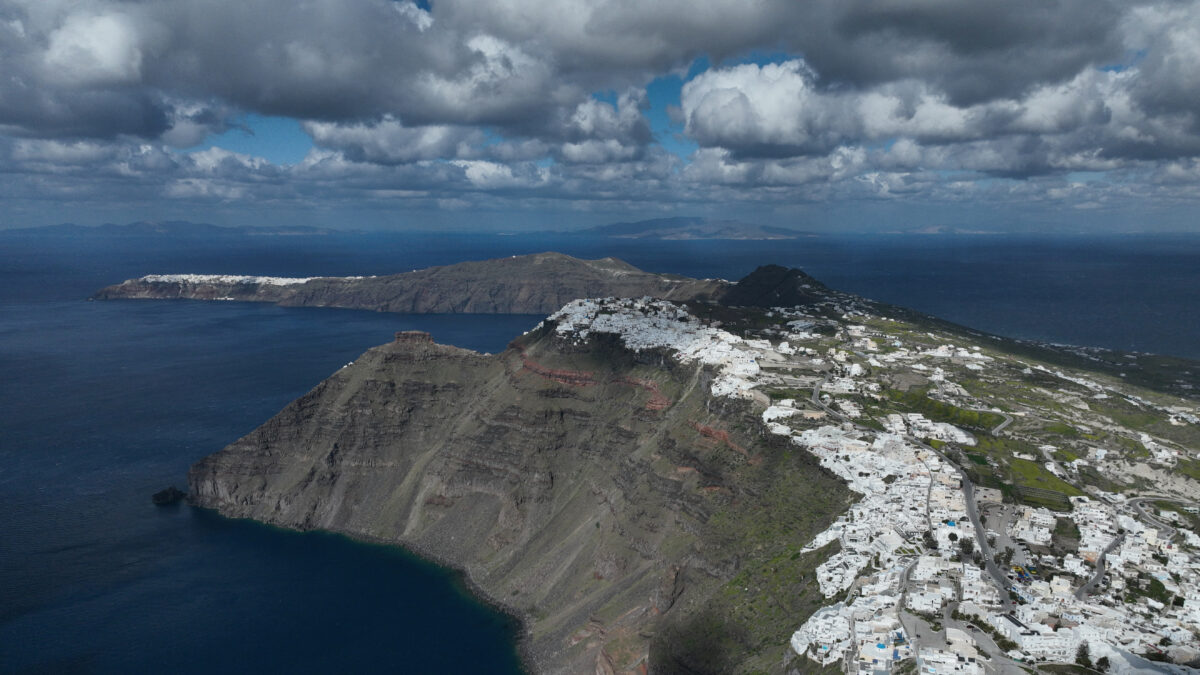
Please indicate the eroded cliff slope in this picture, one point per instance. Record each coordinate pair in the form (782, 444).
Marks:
(632, 519)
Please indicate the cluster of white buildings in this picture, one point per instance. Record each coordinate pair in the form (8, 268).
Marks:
(1097, 523)
(1032, 525)
(1052, 622)
(918, 426)
(883, 565)
(228, 279)
(867, 633)
(976, 589)
(948, 351)
(907, 491)
(849, 408)
(972, 358)
(826, 636)
(1159, 452)
(888, 522)
(647, 324)
(959, 657)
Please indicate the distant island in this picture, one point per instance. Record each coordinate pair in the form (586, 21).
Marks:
(693, 228)
(527, 284)
(945, 229)
(166, 228)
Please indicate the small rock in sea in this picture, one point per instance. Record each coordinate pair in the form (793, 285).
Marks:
(171, 495)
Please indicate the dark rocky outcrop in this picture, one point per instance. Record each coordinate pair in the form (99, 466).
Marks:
(603, 497)
(169, 496)
(775, 286)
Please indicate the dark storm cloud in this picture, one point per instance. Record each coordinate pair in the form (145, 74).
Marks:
(317, 60)
(974, 51)
(88, 114)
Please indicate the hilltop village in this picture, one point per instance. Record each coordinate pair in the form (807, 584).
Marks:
(1012, 512)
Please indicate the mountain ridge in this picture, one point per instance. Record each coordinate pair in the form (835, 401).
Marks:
(693, 227)
(167, 228)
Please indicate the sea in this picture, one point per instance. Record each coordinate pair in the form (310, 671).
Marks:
(104, 403)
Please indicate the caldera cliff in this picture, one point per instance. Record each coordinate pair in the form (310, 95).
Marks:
(632, 519)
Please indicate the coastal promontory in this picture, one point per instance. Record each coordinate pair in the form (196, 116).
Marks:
(529, 284)
(594, 487)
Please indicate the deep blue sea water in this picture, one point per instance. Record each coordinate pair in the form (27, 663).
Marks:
(103, 403)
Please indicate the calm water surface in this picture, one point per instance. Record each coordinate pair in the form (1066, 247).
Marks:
(106, 403)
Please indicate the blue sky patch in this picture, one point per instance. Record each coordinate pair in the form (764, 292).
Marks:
(278, 139)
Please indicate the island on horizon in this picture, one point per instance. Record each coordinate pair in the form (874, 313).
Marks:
(693, 227)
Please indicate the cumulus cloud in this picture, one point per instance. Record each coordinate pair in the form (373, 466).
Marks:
(390, 142)
(779, 109)
(519, 63)
(1092, 121)
(62, 153)
(830, 99)
(94, 50)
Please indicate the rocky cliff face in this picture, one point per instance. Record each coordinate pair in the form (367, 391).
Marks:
(603, 496)
(531, 284)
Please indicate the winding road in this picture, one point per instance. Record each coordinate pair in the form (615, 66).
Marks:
(999, 427)
(1085, 590)
(1139, 504)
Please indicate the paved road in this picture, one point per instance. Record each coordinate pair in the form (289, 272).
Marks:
(1000, 427)
(1165, 530)
(1140, 506)
(998, 663)
(816, 397)
(1164, 498)
(985, 550)
(1085, 590)
(909, 632)
(928, 496)
(1062, 473)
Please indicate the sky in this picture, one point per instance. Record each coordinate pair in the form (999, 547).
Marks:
(509, 115)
